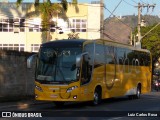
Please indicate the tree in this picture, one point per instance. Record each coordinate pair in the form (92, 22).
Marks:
(152, 40)
(47, 11)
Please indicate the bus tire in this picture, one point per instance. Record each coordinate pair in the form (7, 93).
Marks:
(131, 97)
(96, 97)
(138, 92)
(157, 89)
(59, 104)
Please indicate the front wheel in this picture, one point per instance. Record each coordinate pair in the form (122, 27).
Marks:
(156, 88)
(138, 93)
(96, 97)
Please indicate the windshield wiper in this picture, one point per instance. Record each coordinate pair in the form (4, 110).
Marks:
(43, 81)
(73, 80)
(50, 82)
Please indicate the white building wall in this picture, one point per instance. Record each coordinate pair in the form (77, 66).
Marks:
(93, 27)
(26, 39)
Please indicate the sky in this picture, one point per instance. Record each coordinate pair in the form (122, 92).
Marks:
(121, 7)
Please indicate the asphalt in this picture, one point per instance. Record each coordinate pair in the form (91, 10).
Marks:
(20, 103)
(23, 102)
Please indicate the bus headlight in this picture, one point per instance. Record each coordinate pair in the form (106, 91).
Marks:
(38, 88)
(71, 88)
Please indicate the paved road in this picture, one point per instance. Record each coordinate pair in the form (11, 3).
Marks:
(113, 109)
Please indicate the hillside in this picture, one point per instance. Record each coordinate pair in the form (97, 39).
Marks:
(120, 29)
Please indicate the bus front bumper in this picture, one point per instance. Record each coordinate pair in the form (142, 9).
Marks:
(57, 96)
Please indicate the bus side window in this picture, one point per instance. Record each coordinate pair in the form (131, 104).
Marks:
(86, 71)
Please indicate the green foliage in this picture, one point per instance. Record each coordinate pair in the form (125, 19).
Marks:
(19, 2)
(47, 10)
(65, 4)
(152, 40)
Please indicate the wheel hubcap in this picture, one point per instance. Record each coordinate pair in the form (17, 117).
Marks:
(95, 98)
(138, 93)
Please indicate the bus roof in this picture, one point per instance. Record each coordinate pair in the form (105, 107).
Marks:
(65, 43)
(124, 45)
(79, 43)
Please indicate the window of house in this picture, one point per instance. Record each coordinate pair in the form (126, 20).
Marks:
(35, 28)
(9, 25)
(78, 25)
(52, 28)
(16, 47)
(35, 47)
(22, 25)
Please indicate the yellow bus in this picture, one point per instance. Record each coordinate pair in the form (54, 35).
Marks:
(90, 70)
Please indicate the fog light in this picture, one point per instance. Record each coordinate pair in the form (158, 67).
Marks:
(75, 97)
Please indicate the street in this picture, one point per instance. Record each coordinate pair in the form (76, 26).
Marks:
(115, 108)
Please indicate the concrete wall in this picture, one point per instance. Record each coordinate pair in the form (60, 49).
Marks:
(15, 78)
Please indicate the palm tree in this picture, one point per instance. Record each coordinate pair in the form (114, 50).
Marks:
(47, 11)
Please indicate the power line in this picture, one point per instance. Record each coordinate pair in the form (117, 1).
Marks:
(134, 1)
(110, 37)
(115, 8)
(142, 2)
(150, 30)
(119, 19)
(128, 3)
(111, 13)
(140, 6)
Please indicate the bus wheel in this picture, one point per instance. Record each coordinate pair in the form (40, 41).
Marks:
(138, 93)
(59, 104)
(157, 89)
(131, 97)
(97, 97)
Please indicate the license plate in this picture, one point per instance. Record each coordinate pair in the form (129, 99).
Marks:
(54, 96)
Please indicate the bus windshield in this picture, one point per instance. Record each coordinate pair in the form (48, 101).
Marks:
(57, 65)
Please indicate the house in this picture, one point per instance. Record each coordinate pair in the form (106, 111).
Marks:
(19, 30)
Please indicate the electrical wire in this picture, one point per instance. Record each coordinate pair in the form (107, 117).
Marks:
(142, 2)
(110, 37)
(128, 3)
(111, 13)
(119, 19)
(134, 1)
(115, 8)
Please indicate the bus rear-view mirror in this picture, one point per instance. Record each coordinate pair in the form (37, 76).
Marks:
(79, 58)
(30, 61)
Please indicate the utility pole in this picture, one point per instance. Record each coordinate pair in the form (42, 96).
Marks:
(140, 6)
(102, 19)
(139, 22)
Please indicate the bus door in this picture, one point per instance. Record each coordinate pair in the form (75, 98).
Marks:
(86, 88)
(112, 83)
(86, 73)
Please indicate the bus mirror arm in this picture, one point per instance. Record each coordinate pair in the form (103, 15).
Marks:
(30, 60)
(79, 59)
